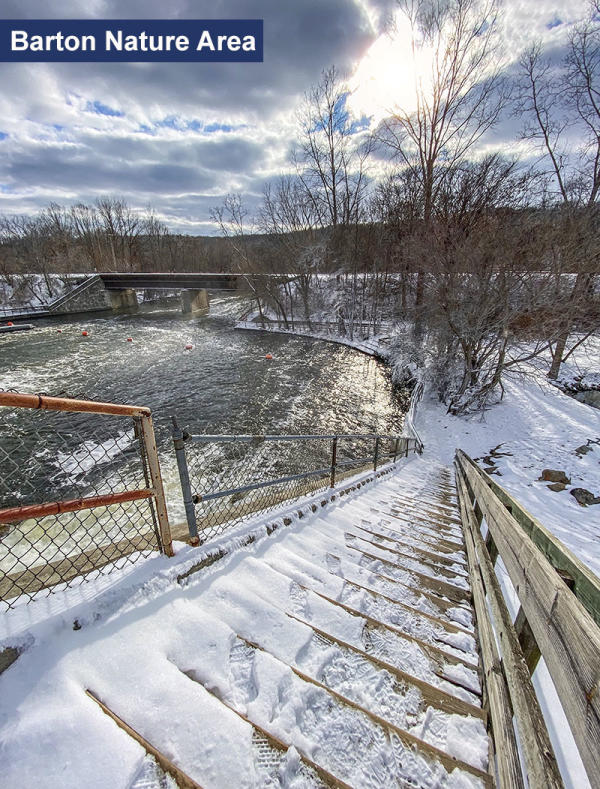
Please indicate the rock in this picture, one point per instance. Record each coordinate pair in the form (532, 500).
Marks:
(584, 497)
(589, 397)
(583, 450)
(552, 475)
(557, 487)
(8, 657)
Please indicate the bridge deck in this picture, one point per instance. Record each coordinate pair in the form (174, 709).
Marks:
(180, 280)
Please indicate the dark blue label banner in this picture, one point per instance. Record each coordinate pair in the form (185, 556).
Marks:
(131, 40)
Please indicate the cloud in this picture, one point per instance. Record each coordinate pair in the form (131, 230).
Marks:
(180, 136)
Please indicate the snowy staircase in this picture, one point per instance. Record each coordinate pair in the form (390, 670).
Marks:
(342, 650)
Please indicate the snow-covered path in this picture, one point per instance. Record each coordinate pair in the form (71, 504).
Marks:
(339, 651)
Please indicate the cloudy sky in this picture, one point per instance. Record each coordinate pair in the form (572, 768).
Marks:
(179, 136)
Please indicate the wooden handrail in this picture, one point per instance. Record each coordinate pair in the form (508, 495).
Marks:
(508, 683)
(586, 585)
(567, 635)
(18, 400)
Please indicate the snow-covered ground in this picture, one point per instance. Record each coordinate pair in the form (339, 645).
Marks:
(372, 346)
(18, 291)
(535, 427)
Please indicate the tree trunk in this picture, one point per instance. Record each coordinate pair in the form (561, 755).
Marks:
(557, 356)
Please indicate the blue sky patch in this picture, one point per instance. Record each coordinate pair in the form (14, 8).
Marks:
(103, 109)
(214, 127)
(3, 135)
(194, 125)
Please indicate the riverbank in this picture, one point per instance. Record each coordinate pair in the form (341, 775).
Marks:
(376, 345)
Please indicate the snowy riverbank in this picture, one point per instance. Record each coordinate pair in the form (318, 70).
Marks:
(372, 346)
(535, 427)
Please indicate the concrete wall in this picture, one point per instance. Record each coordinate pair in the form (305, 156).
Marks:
(125, 299)
(194, 301)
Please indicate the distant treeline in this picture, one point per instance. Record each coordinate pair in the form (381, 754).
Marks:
(107, 235)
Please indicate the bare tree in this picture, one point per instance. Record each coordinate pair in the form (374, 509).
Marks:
(456, 102)
(562, 108)
(288, 218)
(332, 164)
(485, 295)
(332, 154)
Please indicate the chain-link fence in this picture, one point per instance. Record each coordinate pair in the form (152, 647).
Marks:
(80, 492)
(226, 479)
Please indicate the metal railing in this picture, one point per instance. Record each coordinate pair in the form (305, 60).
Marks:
(80, 489)
(558, 620)
(338, 330)
(87, 283)
(409, 419)
(18, 312)
(227, 478)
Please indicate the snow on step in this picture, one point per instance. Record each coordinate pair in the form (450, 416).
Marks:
(337, 652)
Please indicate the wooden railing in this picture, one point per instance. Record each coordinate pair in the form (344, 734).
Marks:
(558, 620)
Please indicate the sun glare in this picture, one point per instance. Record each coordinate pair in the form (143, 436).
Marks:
(390, 74)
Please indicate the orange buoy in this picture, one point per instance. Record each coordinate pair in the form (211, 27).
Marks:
(268, 356)
(84, 334)
(10, 323)
(130, 339)
(59, 331)
(188, 347)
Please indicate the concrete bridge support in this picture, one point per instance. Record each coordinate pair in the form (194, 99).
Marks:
(125, 299)
(194, 301)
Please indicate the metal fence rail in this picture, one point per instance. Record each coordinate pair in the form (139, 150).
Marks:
(16, 312)
(80, 489)
(227, 478)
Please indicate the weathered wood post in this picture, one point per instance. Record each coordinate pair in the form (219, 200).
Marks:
(147, 431)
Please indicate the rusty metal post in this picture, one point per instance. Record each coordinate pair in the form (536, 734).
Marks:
(376, 456)
(147, 431)
(396, 449)
(333, 461)
(186, 487)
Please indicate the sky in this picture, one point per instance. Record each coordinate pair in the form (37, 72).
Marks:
(178, 137)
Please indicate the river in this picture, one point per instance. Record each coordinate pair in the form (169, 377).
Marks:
(224, 384)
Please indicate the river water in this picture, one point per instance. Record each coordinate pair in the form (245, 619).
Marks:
(223, 384)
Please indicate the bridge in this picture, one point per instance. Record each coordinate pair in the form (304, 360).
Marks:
(118, 291)
(121, 287)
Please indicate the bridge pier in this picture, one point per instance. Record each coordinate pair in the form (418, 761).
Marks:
(125, 299)
(194, 301)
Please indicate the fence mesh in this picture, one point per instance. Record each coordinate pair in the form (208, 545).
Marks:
(231, 478)
(50, 457)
